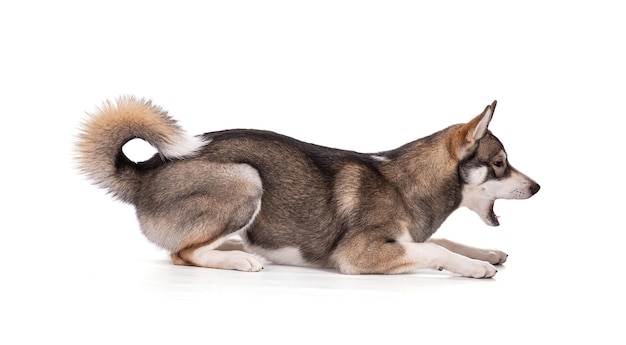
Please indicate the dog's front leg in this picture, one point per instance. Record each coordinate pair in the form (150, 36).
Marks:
(361, 255)
(494, 257)
(431, 255)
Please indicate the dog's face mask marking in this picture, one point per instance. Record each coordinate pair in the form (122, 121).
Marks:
(487, 177)
(485, 172)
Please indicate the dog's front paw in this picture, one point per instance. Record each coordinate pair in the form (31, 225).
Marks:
(477, 269)
(496, 257)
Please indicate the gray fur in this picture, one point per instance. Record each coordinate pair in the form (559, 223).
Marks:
(332, 205)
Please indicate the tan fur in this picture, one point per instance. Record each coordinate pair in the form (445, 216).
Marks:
(347, 189)
(177, 260)
(431, 161)
(378, 252)
(126, 113)
(114, 124)
(463, 139)
(299, 203)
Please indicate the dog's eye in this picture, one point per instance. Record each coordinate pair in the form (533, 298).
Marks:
(498, 164)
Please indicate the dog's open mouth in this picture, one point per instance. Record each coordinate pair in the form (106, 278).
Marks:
(488, 216)
(492, 219)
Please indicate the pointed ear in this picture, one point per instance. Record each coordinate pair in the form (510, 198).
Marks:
(465, 137)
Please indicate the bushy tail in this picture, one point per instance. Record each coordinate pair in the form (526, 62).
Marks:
(99, 146)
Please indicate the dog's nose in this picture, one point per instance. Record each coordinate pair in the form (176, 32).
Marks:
(534, 188)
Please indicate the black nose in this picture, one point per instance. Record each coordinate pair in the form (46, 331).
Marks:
(534, 188)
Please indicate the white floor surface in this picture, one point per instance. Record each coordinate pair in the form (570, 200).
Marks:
(359, 75)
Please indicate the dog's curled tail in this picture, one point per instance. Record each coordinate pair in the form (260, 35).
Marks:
(98, 150)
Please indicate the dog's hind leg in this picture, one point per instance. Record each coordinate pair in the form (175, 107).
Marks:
(494, 257)
(195, 210)
(224, 253)
(228, 244)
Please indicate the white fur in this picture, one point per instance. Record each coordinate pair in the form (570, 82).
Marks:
(475, 198)
(227, 252)
(184, 146)
(477, 176)
(233, 259)
(380, 158)
(515, 186)
(490, 255)
(479, 197)
(405, 236)
(282, 256)
(481, 127)
(430, 255)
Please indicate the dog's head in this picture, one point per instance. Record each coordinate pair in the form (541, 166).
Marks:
(484, 168)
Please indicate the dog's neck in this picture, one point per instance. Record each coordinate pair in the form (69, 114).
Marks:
(426, 176)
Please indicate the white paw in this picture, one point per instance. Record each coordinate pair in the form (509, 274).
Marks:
(228, 260)
(243, 261)
(496, 257)
(476, 269)
(492, 256)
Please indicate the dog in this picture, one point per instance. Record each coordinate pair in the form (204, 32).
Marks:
(234, 199)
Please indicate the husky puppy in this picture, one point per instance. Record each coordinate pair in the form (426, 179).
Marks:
(297, 203)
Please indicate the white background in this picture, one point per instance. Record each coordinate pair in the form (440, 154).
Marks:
(362, 75)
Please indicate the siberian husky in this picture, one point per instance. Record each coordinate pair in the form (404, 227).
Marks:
(234, 199)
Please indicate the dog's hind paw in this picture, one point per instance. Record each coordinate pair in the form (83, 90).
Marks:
(229, 260)
(242, 261)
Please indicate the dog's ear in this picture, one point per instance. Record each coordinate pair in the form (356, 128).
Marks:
(465, 138)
